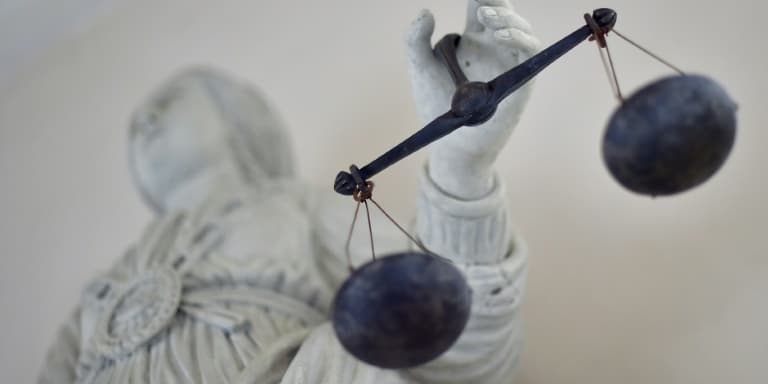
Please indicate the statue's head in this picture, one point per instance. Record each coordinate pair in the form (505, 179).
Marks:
(202, 131)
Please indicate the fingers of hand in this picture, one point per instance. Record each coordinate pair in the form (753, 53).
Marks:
(494, 3)
(496, 18)
(422, 27)
(474, 25)
(420, 35)
(524, 42)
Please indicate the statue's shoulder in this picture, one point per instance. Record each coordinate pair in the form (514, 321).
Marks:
(159, 296)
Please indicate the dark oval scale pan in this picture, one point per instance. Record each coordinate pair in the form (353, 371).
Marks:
(670, 136)
(402, 310)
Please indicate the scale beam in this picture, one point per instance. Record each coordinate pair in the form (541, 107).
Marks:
(475, 102)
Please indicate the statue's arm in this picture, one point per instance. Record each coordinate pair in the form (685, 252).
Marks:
(61, 361)
(476, 235)
(462, 211)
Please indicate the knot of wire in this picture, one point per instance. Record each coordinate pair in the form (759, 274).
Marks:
(362, 194)
(599, 36)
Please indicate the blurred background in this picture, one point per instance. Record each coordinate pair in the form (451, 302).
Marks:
(622, 288)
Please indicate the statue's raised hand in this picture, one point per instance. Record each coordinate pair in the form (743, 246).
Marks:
(495, 39)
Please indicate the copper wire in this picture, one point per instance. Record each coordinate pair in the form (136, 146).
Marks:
(613, 74)
(649, 53)
(349, 238)
(361, 196)
(611, 80)
(598, 35)
(370, 229)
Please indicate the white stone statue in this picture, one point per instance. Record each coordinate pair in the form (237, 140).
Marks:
(233, 281)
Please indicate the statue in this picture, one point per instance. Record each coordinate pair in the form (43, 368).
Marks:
(233, 280)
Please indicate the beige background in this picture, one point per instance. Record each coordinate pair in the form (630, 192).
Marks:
(623, 289)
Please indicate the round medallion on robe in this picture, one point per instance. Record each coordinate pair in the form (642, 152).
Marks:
(140, 311)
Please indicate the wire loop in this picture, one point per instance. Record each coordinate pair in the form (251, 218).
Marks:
(598, 33)
(361, 194)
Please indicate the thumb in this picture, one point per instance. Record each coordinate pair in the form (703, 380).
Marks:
(419, 39)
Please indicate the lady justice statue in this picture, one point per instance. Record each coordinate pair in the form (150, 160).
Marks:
(233, 280)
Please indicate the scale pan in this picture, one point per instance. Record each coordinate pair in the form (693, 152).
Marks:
(402, 310)
(671, 135)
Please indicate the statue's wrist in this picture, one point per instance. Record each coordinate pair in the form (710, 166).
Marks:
(461, 177)
(470, 231)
